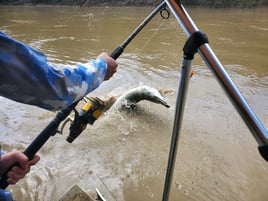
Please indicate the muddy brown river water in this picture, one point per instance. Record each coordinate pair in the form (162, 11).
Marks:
(217, 156)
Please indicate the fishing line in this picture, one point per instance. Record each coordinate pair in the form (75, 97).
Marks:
(164, 13)
(153, 35)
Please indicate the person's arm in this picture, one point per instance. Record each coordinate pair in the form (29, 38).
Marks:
(27, 77)
(18, 171)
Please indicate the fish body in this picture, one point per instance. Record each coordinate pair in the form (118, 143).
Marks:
(130, 99)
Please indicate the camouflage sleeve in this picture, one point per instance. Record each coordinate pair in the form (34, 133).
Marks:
(27, 77)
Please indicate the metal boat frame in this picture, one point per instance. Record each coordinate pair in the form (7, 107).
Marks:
(198, 42)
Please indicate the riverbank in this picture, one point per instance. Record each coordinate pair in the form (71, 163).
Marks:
(214, 4)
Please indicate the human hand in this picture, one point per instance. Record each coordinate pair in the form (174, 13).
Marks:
(111, 65)
(17, 172)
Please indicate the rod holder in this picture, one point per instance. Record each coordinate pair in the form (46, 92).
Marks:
(191, 46)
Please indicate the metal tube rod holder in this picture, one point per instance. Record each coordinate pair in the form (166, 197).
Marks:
(192, 44)
(253, 123)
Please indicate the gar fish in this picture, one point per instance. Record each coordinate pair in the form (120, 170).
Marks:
(130, 98)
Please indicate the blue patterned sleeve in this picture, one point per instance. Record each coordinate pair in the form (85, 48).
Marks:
(27, 77)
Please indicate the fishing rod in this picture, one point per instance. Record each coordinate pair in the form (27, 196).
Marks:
(82, 118)
(118, 51)
(87, 115)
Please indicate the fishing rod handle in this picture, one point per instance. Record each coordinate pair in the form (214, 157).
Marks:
(40, 140)
(3, 181)
(117, 52)
(4, 177)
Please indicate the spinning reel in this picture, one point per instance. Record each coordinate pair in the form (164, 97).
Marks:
(89, 113)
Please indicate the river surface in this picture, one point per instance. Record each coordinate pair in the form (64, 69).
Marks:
(217, 158)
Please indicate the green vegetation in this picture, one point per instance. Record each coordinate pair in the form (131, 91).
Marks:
(210, 3)
(227, 3)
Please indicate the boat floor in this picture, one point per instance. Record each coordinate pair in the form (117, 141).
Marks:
(76, 193)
